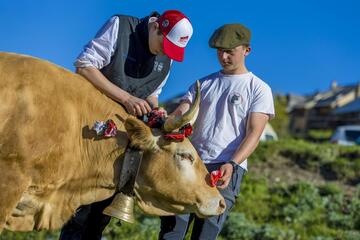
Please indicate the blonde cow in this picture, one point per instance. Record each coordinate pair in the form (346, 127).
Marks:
(51, 162)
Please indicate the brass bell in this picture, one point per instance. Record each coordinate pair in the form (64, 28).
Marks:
(121, 207)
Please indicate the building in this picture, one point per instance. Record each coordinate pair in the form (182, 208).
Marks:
(322, 110)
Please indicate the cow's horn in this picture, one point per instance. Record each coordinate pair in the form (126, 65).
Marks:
(190, 116)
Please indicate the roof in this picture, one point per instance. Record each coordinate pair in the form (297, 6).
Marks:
(353, 106)
(294, 100)
(328, 100)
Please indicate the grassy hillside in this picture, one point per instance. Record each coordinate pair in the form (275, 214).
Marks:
(299, 190)
(294, 190)
(281, 121)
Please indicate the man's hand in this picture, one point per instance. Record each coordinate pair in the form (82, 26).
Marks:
(136, 106)
(133, 105)
(161, 109)
(227, 170)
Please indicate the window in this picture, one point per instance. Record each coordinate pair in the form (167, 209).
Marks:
(352, 135)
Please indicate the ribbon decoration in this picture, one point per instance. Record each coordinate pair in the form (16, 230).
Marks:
(184, 132)
(106, 129)
(215, 177)
(155, 118)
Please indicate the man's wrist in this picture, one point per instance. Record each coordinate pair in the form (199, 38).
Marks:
(233, 164)
(123, 97)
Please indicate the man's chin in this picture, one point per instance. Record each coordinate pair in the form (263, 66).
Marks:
(227, 69)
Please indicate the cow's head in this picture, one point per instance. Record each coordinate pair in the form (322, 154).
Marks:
(172, 177)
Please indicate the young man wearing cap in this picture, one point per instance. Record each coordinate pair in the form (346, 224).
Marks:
(235, 107)
(130, 58)
(129, 61)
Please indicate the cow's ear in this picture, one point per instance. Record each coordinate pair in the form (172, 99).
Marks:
(140, 135)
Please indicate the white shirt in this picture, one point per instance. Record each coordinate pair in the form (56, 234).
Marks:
(226, 102)
(98, 52)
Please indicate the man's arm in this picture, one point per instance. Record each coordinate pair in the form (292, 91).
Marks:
(133, 105)
(183, 107)
(255, 126)
(153, 101)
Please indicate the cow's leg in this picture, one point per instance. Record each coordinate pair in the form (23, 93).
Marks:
(12, 185)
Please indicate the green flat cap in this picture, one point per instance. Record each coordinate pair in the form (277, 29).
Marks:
(230, 36)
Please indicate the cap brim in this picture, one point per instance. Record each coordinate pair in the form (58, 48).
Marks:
(172, 51)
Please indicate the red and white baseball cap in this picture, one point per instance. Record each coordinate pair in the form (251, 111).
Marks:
(177, 31)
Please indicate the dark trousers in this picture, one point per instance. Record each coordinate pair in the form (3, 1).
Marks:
(176, 227)
(88, 222)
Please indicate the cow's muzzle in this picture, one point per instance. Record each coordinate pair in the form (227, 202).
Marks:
(215, 206)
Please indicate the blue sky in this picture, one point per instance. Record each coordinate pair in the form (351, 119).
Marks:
(299, 46)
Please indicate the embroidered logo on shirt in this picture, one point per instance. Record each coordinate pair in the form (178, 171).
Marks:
(158, 66)
(235, 98)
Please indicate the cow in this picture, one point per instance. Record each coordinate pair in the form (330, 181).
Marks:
(52, 162)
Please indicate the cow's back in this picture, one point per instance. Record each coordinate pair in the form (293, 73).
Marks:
(46, 114)
(39, 102)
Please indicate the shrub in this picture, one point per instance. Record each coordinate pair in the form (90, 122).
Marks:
(333, 162)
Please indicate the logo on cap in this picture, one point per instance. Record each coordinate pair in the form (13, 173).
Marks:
(165, 23)
(183, 40)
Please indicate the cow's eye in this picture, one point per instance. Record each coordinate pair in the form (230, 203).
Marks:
(186, 156)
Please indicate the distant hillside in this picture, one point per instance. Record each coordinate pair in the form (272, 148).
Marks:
(281, 121)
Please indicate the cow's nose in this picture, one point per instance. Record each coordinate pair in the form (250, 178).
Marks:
(222, 206)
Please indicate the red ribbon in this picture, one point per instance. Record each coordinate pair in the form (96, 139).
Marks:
(111, 128)
(156, 118)
(215, 177)
(184, 132)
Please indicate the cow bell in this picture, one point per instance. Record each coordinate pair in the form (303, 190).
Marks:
(122, 207)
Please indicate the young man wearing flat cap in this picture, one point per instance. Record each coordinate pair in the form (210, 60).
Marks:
(129, 60)
(234, 109)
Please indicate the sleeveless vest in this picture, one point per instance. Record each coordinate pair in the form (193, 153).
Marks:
(133, 67)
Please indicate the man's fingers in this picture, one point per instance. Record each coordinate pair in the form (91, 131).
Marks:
(224, 184)
(137, 106)
(226, 175)
(143, 109)
(130, 109)
(138, 110)
(147, 107)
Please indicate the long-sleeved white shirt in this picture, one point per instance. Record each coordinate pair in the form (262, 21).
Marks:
(98, 52)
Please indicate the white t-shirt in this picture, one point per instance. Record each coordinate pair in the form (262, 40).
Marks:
(226, 102)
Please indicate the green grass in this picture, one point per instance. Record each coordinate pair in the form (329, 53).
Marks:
(275, 210)
(333, 162)
(298, 211)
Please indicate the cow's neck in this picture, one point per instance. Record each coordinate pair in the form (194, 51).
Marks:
(99, 154)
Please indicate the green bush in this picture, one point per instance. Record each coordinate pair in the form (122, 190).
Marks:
(297, 211)
(145, 227)
(333, 162)
(254, 190)
(274, 211)
(237, 227)
(42, 235)
(281, 121)
(319, 135)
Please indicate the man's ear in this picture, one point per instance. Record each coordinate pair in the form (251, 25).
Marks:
(247, 51)
(154, 26)
(139, 134)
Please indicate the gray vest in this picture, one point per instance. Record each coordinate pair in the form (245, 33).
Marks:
(133, 67)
